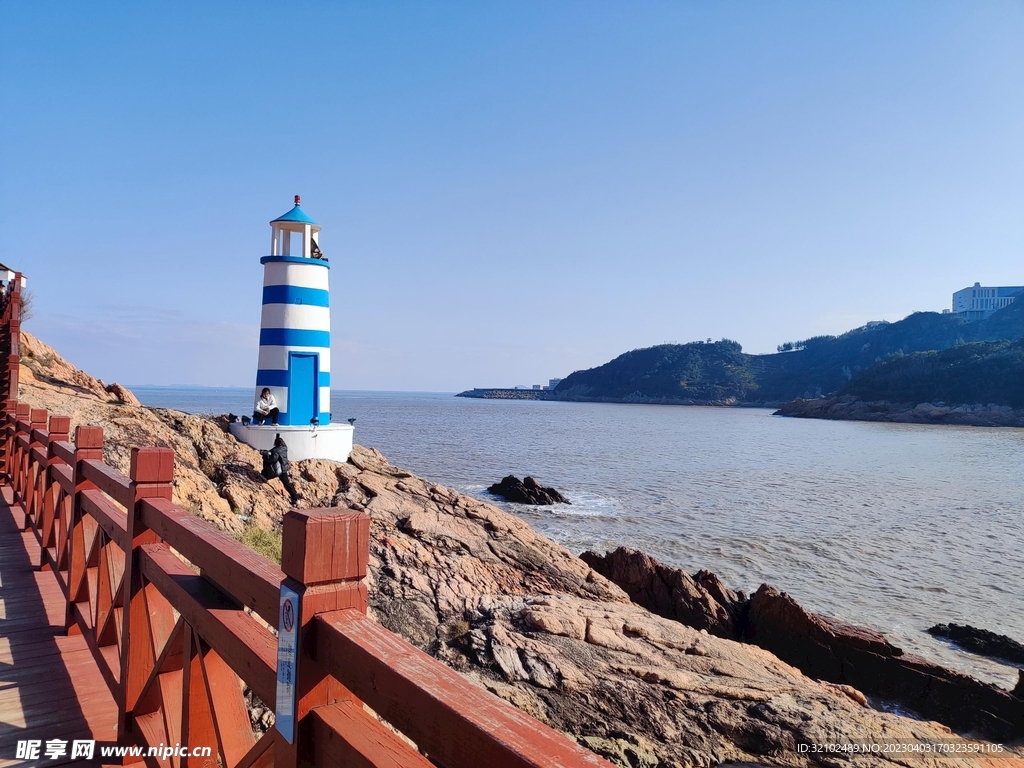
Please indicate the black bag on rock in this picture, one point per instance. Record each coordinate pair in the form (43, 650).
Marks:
(271, 466)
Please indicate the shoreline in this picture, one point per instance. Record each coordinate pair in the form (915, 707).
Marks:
(850, 408)
(498, 393)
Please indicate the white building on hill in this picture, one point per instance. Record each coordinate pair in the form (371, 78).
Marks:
(979, 301)
(7, 274)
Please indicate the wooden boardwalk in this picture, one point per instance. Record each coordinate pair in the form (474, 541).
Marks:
(50, 686)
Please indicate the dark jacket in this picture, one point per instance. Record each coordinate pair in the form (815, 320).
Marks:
(280, 453)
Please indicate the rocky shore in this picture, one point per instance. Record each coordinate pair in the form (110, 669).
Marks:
(821, 647)
(848, 407)
(518, 614)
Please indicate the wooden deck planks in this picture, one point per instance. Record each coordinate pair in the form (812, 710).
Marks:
(50, 686)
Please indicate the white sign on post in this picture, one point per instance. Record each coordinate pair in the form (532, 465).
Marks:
(287, 633)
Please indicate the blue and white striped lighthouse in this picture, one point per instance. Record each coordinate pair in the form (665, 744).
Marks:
(295, 328)
(295, 344)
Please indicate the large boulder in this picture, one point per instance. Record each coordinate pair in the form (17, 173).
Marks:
(526, 491)
(841, 653)
(699, 601)
(981, 641)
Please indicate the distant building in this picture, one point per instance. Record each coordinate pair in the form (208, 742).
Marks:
(552, 383)
(7, 274)
(979, 301)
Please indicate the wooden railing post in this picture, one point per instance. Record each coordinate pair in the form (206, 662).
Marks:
(11, 368)
(151, 473)
(324, 557)
(21, 413)
(88, 445)
(9, 431)
(58, 433)
(37, 420)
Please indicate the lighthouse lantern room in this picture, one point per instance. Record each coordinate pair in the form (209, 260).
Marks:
(295, 345)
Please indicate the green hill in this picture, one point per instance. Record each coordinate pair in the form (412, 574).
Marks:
(695, 372)
(720, 372)
(983, 372)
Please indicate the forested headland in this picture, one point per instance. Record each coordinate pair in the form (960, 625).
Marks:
(927, 357)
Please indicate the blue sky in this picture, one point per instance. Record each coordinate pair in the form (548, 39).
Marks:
(508, 191)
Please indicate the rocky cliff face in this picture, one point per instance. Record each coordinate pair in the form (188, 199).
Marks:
(828, 649)
(699, 601)
(819, 646)
(518, 614)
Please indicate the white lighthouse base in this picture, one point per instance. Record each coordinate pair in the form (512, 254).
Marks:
(329, 441)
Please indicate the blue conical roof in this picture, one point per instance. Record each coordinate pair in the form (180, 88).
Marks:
(296, 215)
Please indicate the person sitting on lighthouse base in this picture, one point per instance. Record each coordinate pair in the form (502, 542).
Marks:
(266, 407)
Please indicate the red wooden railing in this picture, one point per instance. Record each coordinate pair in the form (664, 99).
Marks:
(168, 605)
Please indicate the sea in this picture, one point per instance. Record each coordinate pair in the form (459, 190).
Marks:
(896, 527)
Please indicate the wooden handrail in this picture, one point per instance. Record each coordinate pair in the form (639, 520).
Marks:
(343, 733)
(248, 577)
(110, 518)
(63, 476)
(248, 647)
(65, 451)
(455, 722)
(109, 480)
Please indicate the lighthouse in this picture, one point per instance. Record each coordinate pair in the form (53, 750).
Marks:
(295, 345)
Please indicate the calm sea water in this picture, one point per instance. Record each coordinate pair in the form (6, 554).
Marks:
(895, 527)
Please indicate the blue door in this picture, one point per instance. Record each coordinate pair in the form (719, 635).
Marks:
(303, 393)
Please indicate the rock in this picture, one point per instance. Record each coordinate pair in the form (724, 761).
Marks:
(702, 601)
(831, 650)
(41, 363)
(122, 393)
(621, 752)
(526, 491)
(853, 658)
(643, 690)
(981, 641)
(1018, 690)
